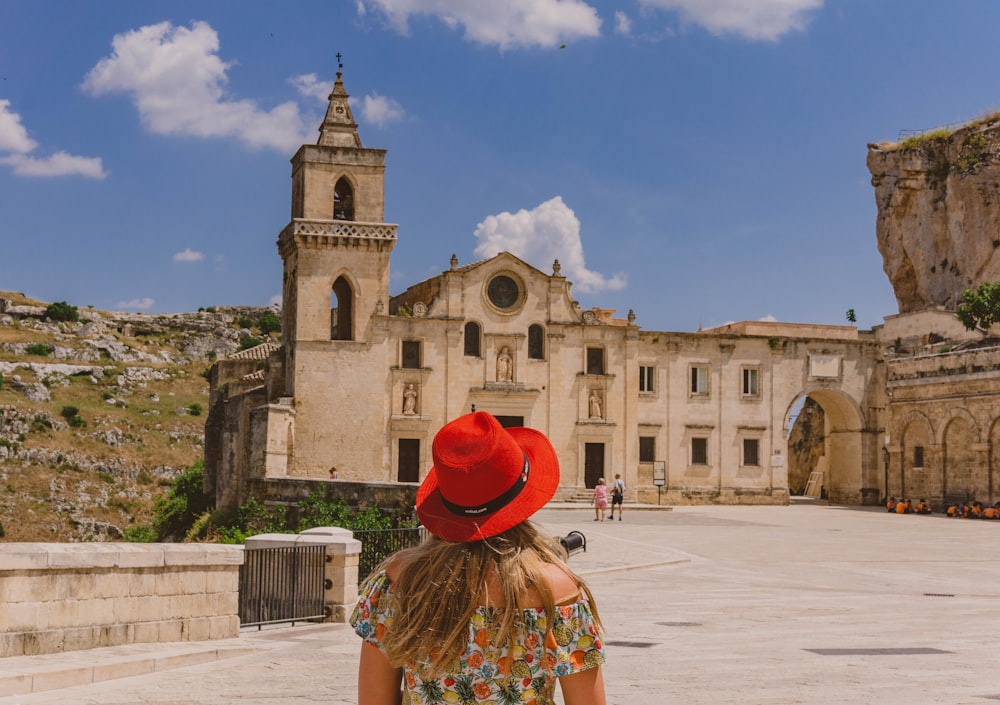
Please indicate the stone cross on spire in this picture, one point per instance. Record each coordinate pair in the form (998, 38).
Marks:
(338, 128)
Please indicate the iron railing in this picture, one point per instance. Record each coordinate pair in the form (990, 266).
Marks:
(377, 544)
(282, 585)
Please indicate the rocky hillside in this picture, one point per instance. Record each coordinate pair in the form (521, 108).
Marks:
(938, 223)
(97, 416)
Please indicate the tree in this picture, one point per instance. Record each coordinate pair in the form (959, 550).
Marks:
(980, 307)
(851, 316)
(62, 311)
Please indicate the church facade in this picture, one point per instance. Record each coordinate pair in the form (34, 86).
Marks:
(364, 379)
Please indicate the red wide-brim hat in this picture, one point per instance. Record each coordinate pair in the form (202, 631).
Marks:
(485, 479)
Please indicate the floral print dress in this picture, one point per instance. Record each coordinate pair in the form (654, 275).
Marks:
(522, 673)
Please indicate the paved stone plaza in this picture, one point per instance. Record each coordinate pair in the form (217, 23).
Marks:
(703, 605)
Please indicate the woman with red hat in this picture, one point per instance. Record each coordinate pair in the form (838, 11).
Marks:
(486, 609)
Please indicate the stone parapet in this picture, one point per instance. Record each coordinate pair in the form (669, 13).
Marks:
(63, 597)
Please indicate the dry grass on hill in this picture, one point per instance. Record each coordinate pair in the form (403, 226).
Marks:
(140, 421)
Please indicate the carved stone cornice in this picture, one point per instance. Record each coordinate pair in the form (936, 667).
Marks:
(336, 234)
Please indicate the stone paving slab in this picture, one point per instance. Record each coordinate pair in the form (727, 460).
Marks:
(762, 605)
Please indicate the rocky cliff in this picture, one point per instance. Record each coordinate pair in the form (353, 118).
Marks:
(938, 223)
(98, 416)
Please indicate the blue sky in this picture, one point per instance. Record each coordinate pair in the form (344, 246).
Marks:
(698, 161)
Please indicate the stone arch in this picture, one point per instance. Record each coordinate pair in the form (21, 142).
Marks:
(912, 476)
(343, 296)
(993, 462)
(844, 461)
(959, 456)
(955, 413)
(343, 199)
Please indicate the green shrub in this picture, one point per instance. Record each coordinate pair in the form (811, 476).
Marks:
(62, 311)
(43, 349)
(140, 533)
(269, 323)
(244, 322)
(176, 512)
(195, 409)
(249, 342)
(69, 412)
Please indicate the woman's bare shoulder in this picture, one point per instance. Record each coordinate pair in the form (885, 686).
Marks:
(565, 589)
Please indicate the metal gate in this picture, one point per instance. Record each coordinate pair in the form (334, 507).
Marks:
(378, 544)
(282, 585)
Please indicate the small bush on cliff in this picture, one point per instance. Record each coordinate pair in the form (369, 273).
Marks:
(249, 342)
(140, 533)
(43, 349)
(269, 323)
(176, 512)
(62, 311)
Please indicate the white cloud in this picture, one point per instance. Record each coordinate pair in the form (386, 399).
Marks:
(275, 300)
(137, 304)
(380, 111)
(189, 255)
(508, 24)
(764, 20)
(623, 25)
(13, 135)
(548, 232)
(58, 164)
(14, 138)
(309, 85)
(176, 80)
(768, 319)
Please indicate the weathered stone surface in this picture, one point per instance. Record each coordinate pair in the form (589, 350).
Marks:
(938, 224)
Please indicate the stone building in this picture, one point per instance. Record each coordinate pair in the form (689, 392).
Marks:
(364, 379)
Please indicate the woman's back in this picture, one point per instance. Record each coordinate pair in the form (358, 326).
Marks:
(486, 609)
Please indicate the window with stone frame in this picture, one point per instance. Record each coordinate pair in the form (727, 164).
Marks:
(918, 456)
(751, 452)
(647, 449)
(473, 339)
(699, 380)
(699, 451)
(646, 376)
(536, 342)
(751, 382)
(595, 361)
(411, 354)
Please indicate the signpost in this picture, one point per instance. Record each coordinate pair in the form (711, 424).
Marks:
(659, 477)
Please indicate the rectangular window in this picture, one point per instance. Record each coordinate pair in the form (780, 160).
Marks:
(595, 361)
(699, 379)
(918, 456)
(751, 451)
(751, 382)
(645, 378)
(411, 354)
(699, 451)
(647, 449)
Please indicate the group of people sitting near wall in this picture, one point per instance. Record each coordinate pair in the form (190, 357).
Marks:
(970, 510)
(905, 506)
(974, 510)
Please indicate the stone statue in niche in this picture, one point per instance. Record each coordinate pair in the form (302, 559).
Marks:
(410, 400)
(505, 365)
(595, 406)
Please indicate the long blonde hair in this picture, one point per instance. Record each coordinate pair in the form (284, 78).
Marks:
(439, 585)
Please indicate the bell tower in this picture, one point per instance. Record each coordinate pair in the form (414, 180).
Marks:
(336, 248)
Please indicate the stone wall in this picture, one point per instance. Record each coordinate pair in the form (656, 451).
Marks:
(64, 597)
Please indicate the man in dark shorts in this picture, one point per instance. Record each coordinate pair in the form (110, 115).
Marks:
(617, 496)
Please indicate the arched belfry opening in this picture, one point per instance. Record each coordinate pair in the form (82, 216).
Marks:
(341, 310)
(343, 200)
